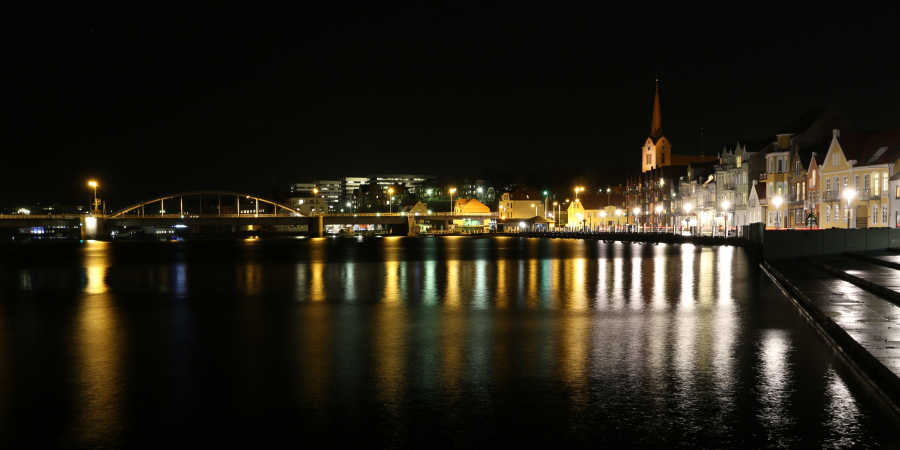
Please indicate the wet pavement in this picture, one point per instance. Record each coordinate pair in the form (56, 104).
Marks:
(869, 319)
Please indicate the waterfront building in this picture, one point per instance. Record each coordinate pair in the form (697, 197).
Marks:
(585, 213)
(733, 175)
(865, 171)
(777, 179)
(813, 177)
(470, 206)
(520, 204)
(411, 183)
(894, 188)
(652, 189)
(350, 191)
(756, 203)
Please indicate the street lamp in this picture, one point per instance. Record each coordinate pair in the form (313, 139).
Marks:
(637, 212)
(556, 204)
(390, 200)
(687, 211)
(725, 205)
(777, 202)
(577, 190)
(618, 216)
(849, 193)
(315, 198)
(603, 216)
(452, 190)
(94, 184)
(658, 210)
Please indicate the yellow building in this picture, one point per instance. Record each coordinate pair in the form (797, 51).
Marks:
(777, 178)
(589, 214)
(863, 175)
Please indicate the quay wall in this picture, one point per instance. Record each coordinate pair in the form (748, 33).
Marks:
(781, 244)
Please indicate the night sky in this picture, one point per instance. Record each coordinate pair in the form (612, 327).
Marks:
(156, 101)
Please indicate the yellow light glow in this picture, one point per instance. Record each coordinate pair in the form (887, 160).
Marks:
(92, 183)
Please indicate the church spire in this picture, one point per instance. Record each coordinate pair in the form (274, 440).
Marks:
(656, 124)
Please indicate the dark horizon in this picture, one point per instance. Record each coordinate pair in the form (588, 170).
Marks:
(243, 103)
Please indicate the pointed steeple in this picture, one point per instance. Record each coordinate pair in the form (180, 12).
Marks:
(656, 124)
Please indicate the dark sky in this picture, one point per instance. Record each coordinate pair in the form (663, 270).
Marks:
(158, 101)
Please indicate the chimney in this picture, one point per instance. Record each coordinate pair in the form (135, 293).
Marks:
(783, 140)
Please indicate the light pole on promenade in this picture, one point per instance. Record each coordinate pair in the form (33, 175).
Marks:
(452, 190)
(637, 213)
(556, 204)
(93, 184)
(390, 200)
(658, 210)
(849, 193)
(687, 211)
(777, 202)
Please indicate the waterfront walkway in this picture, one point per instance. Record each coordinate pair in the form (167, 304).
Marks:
(862, 299)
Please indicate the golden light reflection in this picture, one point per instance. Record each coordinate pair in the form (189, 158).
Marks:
(99, 335)
(95, 266)
(390, 349)
(349, 277)
(502, 291)
(392, 290)
(429, 287)
(578, 300)
(603, 267)
(451, 296)
(532, 298)
(480, 294)
(249, 278)
(574, 340)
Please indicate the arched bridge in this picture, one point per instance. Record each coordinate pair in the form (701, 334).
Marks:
(202, 204)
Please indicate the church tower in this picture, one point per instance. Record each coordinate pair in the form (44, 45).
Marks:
(657, 151)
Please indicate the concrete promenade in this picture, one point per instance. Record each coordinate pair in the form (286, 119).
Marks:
(860, 318)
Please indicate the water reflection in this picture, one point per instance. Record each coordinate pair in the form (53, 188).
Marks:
(99, 338)
(664, 343)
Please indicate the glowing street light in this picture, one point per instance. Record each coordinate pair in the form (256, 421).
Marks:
(777, 201)
(848, 194)
(390, 200)
(658, 210)
(452, 190)
(535, 209)
(93, 184)
(577, 190)
(687, 211)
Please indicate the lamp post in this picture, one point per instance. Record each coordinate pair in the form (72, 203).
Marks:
(658, 210)
(777, 202)
(608, 191)
(546, 199)
(390, 200)
(93, 184)
(687, 210)
(577, 190)
(848, 194)
(637, 213)
(556, 204)
(452, 190)
(315, 199)
(618, 216)
(725, 205)
(603, 216)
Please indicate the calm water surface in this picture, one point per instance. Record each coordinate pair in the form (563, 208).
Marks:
(438, 342)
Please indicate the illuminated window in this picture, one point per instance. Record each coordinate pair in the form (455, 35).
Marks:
(827, 213)
(874, 214)
(884, 214)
